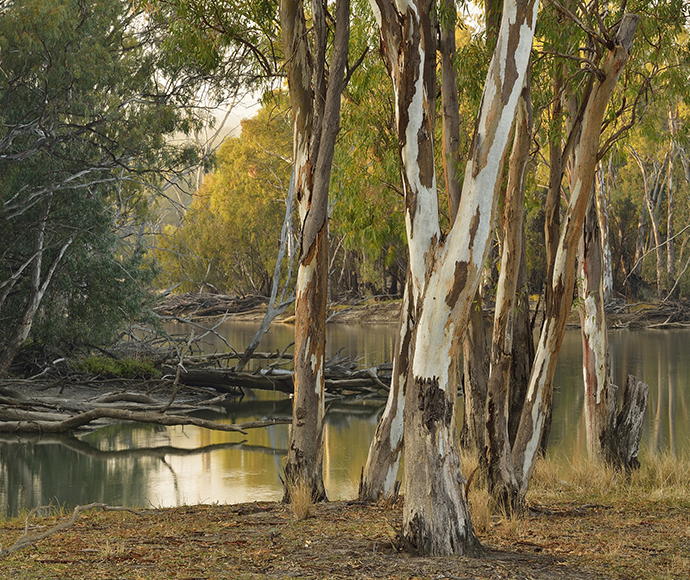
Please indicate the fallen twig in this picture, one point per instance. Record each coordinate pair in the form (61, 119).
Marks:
(27, 540)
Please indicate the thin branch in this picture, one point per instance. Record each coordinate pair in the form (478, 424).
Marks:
(27, 540)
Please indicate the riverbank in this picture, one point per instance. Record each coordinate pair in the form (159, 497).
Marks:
(593, 525)
(619, 313)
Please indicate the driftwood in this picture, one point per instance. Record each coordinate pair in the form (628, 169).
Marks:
(27, 422)
(36, 408)
(338, 382)
(205, 304)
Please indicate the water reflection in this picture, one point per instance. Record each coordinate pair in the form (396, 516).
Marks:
(144, 465)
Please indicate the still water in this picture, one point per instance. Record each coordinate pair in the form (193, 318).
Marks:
(144, 465)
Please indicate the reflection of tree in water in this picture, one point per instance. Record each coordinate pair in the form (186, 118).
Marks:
(38, 472)
(68, 471)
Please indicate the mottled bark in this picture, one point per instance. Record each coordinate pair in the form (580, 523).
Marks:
(316, 114)
(475, 373)
(585, 150)
(602, 197)
(501, 474)
(523, 349)
(383, 461)
(595, 349)
(444, 273)
(623, 441)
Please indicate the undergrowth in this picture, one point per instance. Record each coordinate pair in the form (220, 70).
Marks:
(127, 368)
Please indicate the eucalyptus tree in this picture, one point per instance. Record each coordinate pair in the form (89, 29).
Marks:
(315, 88)
(444, 272)
(648, 78)
(86, 103)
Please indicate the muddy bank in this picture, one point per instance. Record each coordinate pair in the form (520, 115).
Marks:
(619, 313)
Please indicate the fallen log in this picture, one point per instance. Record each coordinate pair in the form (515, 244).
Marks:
(228, 380)
(25, 422)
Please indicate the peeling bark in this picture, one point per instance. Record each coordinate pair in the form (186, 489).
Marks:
(623, 441)
(383, 461)
(595, 348)
(540, 392)
(501, 473)
(445, 274)
(316, 113)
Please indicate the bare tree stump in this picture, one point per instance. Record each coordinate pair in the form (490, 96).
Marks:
(622, 439)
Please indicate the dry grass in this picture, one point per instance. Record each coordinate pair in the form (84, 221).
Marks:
(583, 522)
(301, 499)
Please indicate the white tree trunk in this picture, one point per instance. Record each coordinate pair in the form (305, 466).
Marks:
(383, 461)
(445, 275)
(595, 348)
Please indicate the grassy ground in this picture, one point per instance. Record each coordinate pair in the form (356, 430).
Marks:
(583, 522)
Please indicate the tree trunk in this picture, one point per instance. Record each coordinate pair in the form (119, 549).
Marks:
(670, 243)
(316, 112)
(622, 443)
(540, 392)
(595, 349)
(501, 475)
(444, 274)
(652, 196)
(383, 462)
(475, 374)
(523, 348)
(602, 194)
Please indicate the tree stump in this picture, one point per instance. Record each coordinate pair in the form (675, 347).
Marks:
(622, 440)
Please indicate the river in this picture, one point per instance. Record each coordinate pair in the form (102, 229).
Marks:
(144, 465)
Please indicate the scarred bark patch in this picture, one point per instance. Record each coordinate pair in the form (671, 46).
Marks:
(474, 226)
(433, 403)
(459, 283)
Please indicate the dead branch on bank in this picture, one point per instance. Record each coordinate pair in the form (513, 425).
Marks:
(13, 421)
(29, 540)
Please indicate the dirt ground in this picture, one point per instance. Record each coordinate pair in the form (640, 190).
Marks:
(557, 540)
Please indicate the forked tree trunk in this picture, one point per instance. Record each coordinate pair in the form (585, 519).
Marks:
(444, 274)
(540, 392)
(316, 113)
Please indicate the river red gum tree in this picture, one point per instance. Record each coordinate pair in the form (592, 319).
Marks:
(316, 114)
(444, 270)
(585, 148)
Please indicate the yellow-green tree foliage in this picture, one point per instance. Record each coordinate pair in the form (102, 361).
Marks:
(231, 232)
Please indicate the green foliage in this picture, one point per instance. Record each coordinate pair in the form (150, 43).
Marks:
(128, 368)
(86, 122)
(230, 236)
